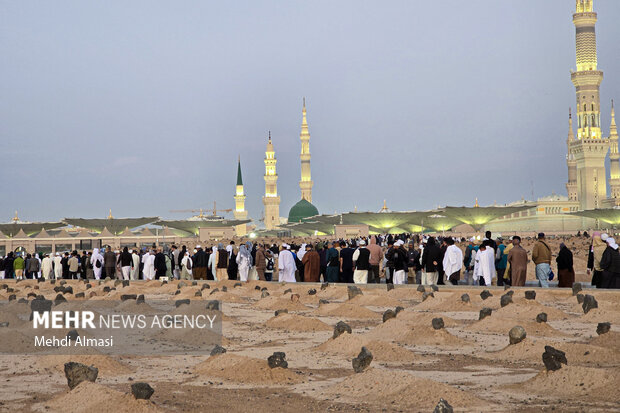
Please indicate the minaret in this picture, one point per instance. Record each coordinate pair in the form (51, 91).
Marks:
(271, 200)
(240, 212)
(589, 149)
(571, 185)
(306, 180)
(614, 158)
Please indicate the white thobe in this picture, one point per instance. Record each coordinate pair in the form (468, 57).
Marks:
(244, 267)
(149, 266)
(452, 260)
(46, 267)
(213, 263)
(57, 268)
(135, 271)
(286, 267)
(485, 265)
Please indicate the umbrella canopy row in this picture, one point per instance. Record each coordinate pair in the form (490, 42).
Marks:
(110, 226)
(608, 215)
(442, 219)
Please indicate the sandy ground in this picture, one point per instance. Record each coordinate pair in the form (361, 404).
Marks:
(469, 363)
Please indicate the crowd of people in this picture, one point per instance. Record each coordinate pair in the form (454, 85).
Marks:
(400, 259)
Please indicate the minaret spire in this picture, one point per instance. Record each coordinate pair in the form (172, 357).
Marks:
(305, 184)
(239, 178)
(613, 129)
(240, 212)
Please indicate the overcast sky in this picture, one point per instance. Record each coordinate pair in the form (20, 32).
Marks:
(144, 106)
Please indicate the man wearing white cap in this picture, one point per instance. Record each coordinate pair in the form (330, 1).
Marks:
(286, 265)
(397, 256)
(361, 263)
(46, 267)
(57, 266)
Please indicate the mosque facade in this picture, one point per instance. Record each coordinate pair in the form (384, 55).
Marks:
(587, 150)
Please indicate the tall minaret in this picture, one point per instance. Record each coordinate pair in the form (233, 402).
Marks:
(240, 212)
(614, 158)
(590, 149)
(306, 180)
(271, 200)
(571, 185)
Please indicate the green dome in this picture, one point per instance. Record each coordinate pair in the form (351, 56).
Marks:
(302, 210)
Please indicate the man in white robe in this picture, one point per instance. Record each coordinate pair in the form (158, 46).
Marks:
(57, 266)
(46, 267)
(452, 262)
(484, 269)
(135, 269)
(286, 265)
(148, 260)
(96, 257)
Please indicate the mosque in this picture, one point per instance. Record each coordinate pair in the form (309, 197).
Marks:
(587, 152)
(271, 200)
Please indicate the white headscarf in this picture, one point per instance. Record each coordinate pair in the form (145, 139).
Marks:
(243, 251)
(96, 256)
(185, 259)
(612, 243)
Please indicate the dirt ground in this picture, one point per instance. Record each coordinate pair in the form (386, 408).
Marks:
(469, 363)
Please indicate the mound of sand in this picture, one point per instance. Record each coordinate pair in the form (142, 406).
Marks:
(225, 297)
(574, 382)
(404, 293)
(576, 353)
(90, 397)
(107, 365)
(426, 335)
(610, 340)
(420, 318)
(331, 293)
(375, 301)
(447, 305)
(276, 303)
(407, 333)
(345, 310)
(297, 323)
(349, 345)
(248, 370)
(496, 324)
(17, 342)
(382, 387)
(599, 315)
(523, 309)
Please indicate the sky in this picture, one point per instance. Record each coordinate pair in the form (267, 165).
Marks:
(143, 106)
